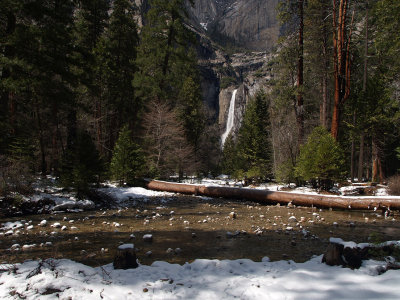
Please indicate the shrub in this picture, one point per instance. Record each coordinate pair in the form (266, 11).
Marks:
(227, 82)
(321, 160)
(394, 185)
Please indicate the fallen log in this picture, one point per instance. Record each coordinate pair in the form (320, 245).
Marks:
(270, 197)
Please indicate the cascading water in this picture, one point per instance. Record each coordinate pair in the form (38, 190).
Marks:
(231, 116)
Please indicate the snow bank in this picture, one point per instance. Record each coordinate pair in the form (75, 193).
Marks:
(120, 194)
(71, 204)
(202, 279)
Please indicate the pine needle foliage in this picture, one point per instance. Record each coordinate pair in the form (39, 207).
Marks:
(81, 166)
(127, 162)
(321, 160)
(254, 144)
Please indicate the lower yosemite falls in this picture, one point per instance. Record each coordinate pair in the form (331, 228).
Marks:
(231, 118)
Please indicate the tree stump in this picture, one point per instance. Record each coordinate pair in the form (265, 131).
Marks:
(333, 255)
(338, 255)
(125, 258)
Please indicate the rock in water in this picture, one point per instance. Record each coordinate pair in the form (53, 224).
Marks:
(148, 238)
(125, 258)
(232, 215)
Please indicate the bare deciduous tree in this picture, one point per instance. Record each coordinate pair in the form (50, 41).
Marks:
(165, 144)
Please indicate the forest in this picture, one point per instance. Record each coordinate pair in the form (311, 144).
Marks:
(88, 95)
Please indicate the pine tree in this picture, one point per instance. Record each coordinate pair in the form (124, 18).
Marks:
(90, 24)
(229, 156)
(127, 162)
(386, 23)
(190, 110)
(81, 165)
(164, 55)
(321, 159)
(254, 145)
(118, 60)
(115, 55)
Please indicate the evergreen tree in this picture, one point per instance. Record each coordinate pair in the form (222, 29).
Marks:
(386, 23)
(118, 60)
(115, 56)
(81, 166)
(254, 145)
(164, 56)
(38, 85)
(89, 27)
(229, 156)
(321, 159)
(190, 110)
(127, 162)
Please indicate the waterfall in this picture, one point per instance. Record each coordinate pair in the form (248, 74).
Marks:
(231, 117)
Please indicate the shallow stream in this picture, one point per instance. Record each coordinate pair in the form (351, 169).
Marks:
(200, 227)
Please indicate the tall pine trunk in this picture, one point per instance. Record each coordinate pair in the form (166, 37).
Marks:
(353, 151)
(341, 60)
(299, 106)
(361, 158)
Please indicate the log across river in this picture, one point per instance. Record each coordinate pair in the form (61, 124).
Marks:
(271, 197)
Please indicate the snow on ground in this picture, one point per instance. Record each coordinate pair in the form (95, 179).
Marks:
(202, 279)
(123, 194)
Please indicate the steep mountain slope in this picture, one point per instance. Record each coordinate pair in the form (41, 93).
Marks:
(249, 24)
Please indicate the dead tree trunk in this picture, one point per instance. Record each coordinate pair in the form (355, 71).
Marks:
(277, 197)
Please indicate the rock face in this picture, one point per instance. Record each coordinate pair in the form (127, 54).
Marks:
(250, 24)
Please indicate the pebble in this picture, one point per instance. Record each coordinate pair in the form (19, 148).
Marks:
(28, 247)
(15, 247)
(148, 237)
(232, 215)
